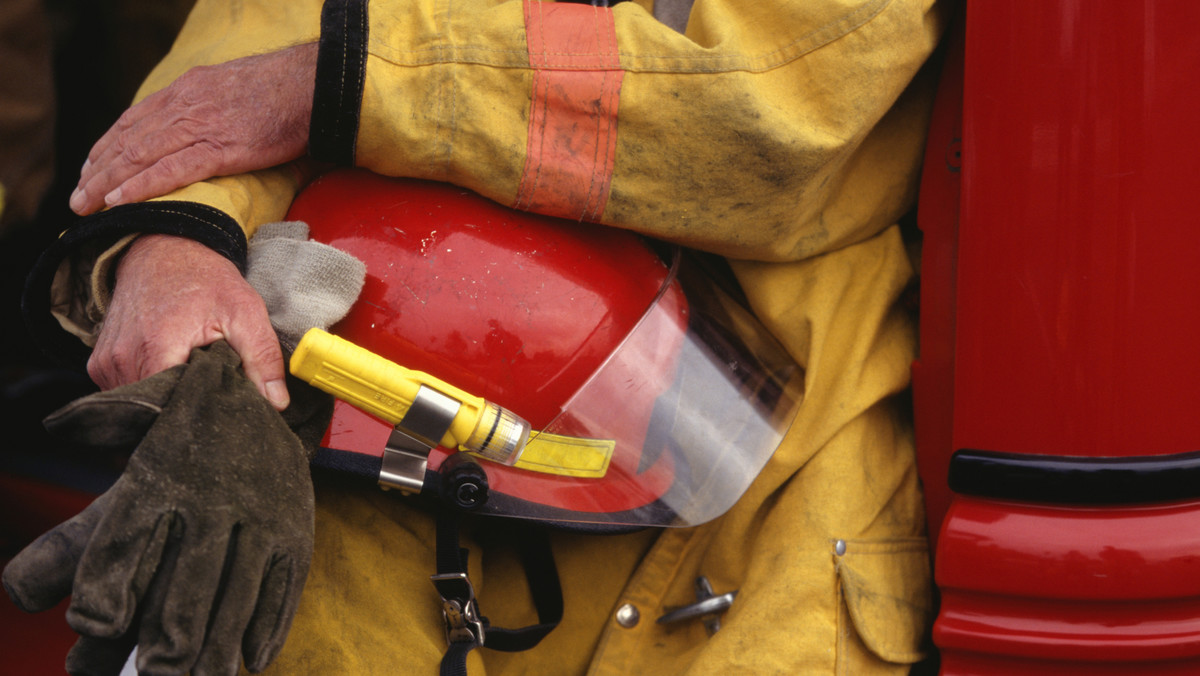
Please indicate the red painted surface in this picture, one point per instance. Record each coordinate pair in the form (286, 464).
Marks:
(938, 214)
(1069, 328)
(1068, 583)
(1077, 275)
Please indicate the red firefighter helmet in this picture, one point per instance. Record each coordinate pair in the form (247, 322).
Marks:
(650, 396)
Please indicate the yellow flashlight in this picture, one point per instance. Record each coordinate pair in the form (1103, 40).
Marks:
(388, 391)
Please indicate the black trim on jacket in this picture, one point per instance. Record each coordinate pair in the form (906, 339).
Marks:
(207, 225)
(341, 74)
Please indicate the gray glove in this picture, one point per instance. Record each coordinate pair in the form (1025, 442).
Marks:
(204, 542)
(302, 282)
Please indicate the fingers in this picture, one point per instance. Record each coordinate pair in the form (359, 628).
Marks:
(241, 627)
(113, 577)
(40, 576)
(238, 116)
(117, 360)
(128, 179)
(277, 601)
(113, 364)
(161, 143)
(138, 142)
(177, 606)
(81, 201)
(138, 138)
(100, 656)
(172, 295)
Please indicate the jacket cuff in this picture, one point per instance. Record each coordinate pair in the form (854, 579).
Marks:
(341, 74)
(70, 259)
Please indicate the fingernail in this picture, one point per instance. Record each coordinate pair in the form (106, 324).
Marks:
(277, 394)
(87, 164)
(77, 200)
(113, 197)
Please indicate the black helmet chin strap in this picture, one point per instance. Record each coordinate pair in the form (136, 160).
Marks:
(466, 628)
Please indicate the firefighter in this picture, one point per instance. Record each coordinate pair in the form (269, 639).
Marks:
(782, 136)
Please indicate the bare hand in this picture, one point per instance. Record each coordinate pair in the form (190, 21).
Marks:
(243, 115)
(173, 294)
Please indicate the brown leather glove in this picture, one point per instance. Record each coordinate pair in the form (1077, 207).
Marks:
(200, 550)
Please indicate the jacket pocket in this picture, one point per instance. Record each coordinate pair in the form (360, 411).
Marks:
(886, 603)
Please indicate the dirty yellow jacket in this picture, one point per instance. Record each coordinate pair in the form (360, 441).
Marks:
(783, 135)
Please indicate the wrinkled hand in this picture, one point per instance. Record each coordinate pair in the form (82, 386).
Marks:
(198, 553)
(173, 294)
(243, 115)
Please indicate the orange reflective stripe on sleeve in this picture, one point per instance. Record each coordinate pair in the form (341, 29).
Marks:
(573, 116)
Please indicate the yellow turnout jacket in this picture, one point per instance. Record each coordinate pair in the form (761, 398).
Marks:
(784, 135)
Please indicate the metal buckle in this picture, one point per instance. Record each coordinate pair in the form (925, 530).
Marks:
(420, 430)
(708, 606)
(461, 612)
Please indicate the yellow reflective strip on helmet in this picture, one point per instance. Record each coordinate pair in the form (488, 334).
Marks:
(567, 456)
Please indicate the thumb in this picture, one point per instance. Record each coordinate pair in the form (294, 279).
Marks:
(262, 360)
(117, 418)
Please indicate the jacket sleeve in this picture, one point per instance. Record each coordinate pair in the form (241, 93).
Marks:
(755, 134)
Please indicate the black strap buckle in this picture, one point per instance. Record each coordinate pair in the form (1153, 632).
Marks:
(461, 612)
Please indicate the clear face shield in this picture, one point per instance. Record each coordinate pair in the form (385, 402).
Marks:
(670, 430)
(676, 424)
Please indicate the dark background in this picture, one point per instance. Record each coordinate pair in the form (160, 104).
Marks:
(78, 64)
(68, 68)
